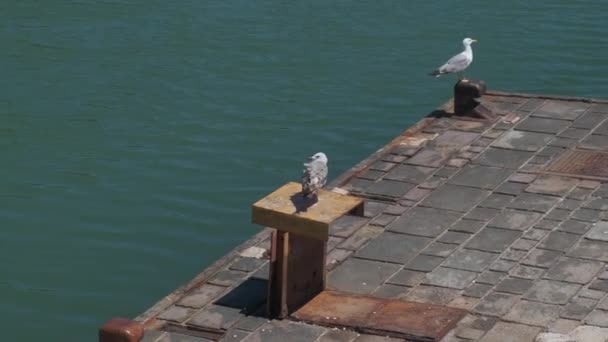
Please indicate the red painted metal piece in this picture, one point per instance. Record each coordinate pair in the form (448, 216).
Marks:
(384, 317)
(121, 330)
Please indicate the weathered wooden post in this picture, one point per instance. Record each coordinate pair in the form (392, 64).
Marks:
(298, 249)
(121, 330)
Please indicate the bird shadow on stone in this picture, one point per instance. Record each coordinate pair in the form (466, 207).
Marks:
(301, 203)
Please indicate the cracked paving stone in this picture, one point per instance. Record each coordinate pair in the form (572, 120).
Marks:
(482, 214)
(358, 185)
(372, 175)
(513, 255)
(390, 291)
(389, 188)
(496, 201)
(552, 185)
(578, 308)
(470, 260)
(337, 335)
(410, 173)
(201, 296)
(359, 238)
(373, 208)
(541, 258)
(522, 178)
(588, 120)
(564, 110)
(597, 318)
(393, 247)
(477, 290)
(511, 188)
(575, 227)
(592, 294)
(535, 234)
(360, 276)
(524, 244)
(599, 232)
(493, 239)
(534, 202)
(424, 263)
(599, 285)
(416, 194)
(490, 277)
(439, 249)
(228, 278)
(247, 264)
(455, 197)
(448, 277)
(427, 222)
(496, 304)
(588, 249)
(597, 204)
(552, 292)
(514, 285)
(383, 220)
(546, 224)
(559, 241)
(558, 214)
(407, 278)
(510, 159)
(579, 194)
(382, 166)
(574, 133)
(574, 270)
(511, 332)
(502, 265)
(533, 313)
(569, 204)
(175, 337)
(527, 272)
(216, 317)
(280, 331)
(432, 294)
(542, 125)
(428, 157)
(515, 219)
(346, 225)
(586, 215)
(478, 176)
(523, 141)
(467, 226)
(176, 314)
(595, 142)
(454, 237)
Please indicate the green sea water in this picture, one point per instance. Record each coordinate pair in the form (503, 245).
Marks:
(135, 134)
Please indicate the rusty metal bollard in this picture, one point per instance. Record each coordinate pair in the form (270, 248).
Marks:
(467, 100)
(121, 330)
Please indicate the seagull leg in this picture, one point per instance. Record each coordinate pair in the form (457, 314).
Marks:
(460, 75)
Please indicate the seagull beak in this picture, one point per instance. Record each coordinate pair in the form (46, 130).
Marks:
(474, 40)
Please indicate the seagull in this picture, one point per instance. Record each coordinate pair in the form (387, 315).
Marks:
(314, 175)
(459, 62)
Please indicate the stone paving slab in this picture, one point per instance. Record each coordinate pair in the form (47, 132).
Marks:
(459, 214)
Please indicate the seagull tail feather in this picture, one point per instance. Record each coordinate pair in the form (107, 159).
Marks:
(436, 73)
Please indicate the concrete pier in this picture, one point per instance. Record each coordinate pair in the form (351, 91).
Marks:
(505, 218)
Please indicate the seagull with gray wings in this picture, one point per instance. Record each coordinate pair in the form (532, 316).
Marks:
(314, 175)
(458, 63)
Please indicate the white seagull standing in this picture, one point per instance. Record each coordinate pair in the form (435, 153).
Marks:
(458, 63)
(314, 175)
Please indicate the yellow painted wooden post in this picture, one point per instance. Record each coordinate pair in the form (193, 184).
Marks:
(298, 249)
